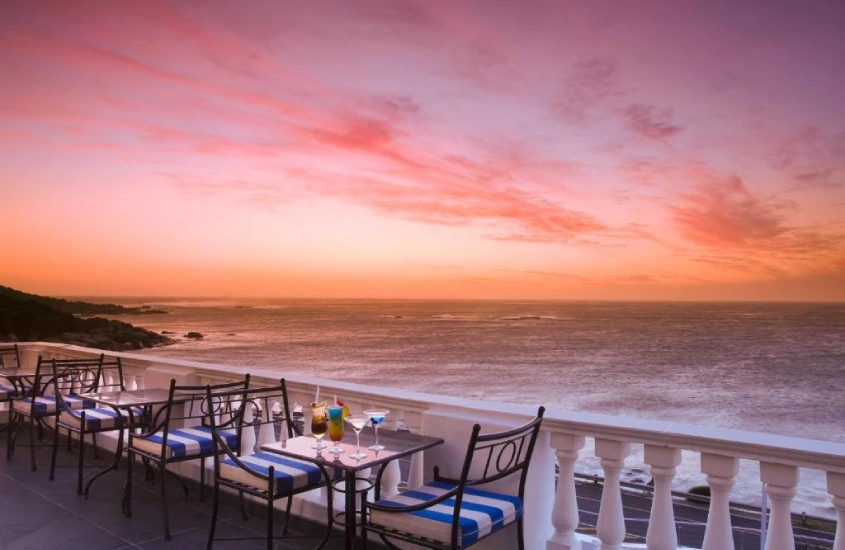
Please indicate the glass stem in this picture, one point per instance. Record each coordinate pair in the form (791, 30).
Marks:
(358, 442)
(377, 435)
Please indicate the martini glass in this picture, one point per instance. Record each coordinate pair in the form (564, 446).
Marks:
(358, 422)
(376, 417)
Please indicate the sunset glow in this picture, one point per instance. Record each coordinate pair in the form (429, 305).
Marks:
(424, 149)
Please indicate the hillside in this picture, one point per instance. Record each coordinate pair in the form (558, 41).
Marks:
(77, 308)
(28, 317)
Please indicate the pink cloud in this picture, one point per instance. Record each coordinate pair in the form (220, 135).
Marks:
(589, 84)
(722, 213)
(650, 122)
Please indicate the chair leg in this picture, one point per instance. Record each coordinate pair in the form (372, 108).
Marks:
(242, 498)
(14, 425)
(269, 523)
(202, 479)
(54, 453)
(81, 462)
(164, 504)
(214, 507)
(127, 487)
(287, 516)
(32, 424)
(520, 534)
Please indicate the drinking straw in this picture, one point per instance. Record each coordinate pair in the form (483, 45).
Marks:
(317, 397)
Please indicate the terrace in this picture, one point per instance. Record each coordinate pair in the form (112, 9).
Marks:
(37, 513)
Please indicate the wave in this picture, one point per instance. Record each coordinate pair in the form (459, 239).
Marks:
(530, 318)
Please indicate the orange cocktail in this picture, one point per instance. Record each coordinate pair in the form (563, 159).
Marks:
(335, 428)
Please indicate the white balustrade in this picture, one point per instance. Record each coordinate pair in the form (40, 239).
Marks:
(780, 482)
(565, 511)
(610, 527)
(248, 434)
(661, 533)
(721, 472)
(267, 433)
(720, 451)
(836, 488)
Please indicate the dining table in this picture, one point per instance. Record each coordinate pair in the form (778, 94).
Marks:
(397, 444)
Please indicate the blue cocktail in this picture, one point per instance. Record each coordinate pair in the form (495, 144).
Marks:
(376, 417)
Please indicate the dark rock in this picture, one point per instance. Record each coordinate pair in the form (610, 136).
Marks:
(167, 332)
(33, 316)
(196, 335)
(78, 308)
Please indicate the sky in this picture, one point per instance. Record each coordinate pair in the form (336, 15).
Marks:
(528, 149)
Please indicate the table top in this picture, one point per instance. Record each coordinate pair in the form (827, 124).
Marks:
(20, 373)
(131, 398)
(397, 445)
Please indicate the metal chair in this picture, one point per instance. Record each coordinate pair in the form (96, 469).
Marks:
(10, 361)
(70, 381)
(448, 514)
(266, 476)
(179, 432)
(36, 403)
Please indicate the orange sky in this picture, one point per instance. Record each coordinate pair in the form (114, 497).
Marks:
(424, 149)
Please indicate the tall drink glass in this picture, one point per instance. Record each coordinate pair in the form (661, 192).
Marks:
(319, 424)
(335, 428)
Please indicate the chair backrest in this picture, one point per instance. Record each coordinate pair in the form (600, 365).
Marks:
(190, 406)
(10, 358)
(504, 454)
(259, 409)
(84, 376)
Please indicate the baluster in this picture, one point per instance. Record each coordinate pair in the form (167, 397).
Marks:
(129, 382)
(248, 433)
(661, 533)
(267, 431)
(565, 512)
(139, 382)
(780, 482)
(721, 471)
(416, 474)
(610, 527)
(392, 475)
(836, 488)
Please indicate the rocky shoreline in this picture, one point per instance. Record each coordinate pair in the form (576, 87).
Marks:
(29, 317)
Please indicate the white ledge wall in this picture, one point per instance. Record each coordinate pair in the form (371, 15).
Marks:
(420, 412)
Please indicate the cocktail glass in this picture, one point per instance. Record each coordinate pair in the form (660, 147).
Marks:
(335, 428)
(319, 424)
(376, 417)
(358, 422)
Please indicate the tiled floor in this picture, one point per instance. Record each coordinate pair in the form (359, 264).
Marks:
(39, 514)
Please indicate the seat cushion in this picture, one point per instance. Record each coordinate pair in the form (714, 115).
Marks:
(7, 393)
(46, 404)
(482, 513)
(105, 418)
(290, 474)
(184, 442)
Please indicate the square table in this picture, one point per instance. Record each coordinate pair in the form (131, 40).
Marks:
(396, 445)
(127, 399)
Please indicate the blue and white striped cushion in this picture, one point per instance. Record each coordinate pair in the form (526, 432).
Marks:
(6, 393)
(482, 512)
(97, 419)
(46, 404)
(184, 442)
(290, 474)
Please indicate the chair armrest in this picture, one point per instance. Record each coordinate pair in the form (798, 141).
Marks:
(414, 507)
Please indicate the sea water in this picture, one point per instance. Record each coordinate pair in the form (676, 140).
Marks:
(767, 367)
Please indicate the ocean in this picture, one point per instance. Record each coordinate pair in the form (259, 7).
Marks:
(768, 367)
